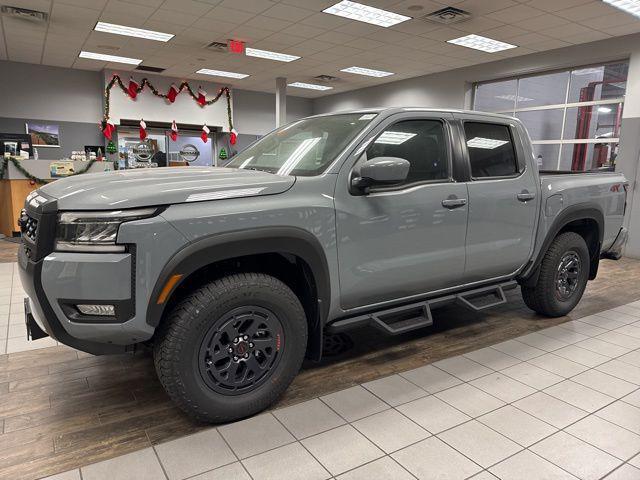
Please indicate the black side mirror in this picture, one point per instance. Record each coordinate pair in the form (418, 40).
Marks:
(380, 171)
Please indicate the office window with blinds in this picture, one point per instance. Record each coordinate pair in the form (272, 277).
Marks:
(573, 116)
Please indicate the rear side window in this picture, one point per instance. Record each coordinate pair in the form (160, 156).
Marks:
(421, 142)
(491, 151)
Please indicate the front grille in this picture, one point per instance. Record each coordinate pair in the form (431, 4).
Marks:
(28, 226)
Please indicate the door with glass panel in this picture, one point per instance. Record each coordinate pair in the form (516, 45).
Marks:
(503, 199)
(408, 238)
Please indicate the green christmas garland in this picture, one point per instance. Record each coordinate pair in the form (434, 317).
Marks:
(4, 163)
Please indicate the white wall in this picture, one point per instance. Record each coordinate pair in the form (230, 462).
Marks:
(59, 94)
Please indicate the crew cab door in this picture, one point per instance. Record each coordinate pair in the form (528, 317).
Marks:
(504, 198)
(407, 239)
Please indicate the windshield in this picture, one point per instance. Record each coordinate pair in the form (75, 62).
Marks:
(304, 148)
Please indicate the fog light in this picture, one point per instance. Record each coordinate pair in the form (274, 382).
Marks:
(98, 310)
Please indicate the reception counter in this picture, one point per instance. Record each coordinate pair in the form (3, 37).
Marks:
(15, 187)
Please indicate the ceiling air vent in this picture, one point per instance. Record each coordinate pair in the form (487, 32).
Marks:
(326, 78)
(447, 16)
(146, 68)
(24, 13)
(217, 46)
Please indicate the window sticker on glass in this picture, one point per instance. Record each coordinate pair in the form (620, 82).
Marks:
(367, 116)
(394, 138)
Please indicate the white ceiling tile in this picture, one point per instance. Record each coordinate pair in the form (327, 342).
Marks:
(305, 31)
(416, 26)
(287, 12)
(127, 8)
(586, 37)
(608, 23)
(249, 34)
(555, 5)
(216, 28)
(229, 15)
(266, 23)
(627, 29)
(478, 24)
(335, 37)
(588, 10)
(38, 5)
(565, 31)
(444, 34)
(360, 29)
(541, 22)
(324, 20)
(550, 44)
(428, 6)
(503, 33)
(317, 5)
(312, 46)
(253, 6)
(284, 39)
(178, 18)
(482, 7)
(187, 6)
(515, 14)
(92, 4)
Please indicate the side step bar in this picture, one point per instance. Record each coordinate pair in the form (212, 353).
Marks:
(394, 321)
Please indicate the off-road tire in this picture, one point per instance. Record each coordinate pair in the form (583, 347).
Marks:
(543, 298)
(182, 332)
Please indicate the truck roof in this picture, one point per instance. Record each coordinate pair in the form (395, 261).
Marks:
(394, 110)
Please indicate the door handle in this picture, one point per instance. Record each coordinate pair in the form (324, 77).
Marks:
(452, 203)
(525, 196)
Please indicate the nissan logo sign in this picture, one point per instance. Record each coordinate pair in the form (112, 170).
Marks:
(143, 152)
(189, 153)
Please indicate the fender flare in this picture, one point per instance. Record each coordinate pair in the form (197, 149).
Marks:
(581, 211)
(224, 246)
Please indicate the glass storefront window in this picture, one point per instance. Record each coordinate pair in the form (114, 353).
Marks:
(546, 155)
(549, 89)
(588, 156)
(593, 121)
(543, 124)
(496, 96)
(598, 83)
(586, 103)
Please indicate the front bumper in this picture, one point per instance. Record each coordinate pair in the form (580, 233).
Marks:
(614, 252)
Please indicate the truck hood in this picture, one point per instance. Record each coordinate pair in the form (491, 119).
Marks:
(162, 186)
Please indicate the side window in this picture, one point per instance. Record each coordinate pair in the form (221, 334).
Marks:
(491, 150)
(421, 142)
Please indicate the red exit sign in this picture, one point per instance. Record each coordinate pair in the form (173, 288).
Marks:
(236, 46)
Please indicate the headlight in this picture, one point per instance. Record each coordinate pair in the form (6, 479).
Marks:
(94, 231)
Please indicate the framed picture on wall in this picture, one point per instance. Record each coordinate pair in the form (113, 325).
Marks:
(44, 135)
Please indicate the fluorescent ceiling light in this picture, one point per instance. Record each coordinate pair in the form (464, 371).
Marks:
(365, 13)
(394, 138)
(280, 57)
(604, 109)
(310, 86)
(485, 143)
(367, 71)
(628, 6)
(513, 98)
(484, 44)
(109, 58)
(221, 73)
(133, 32)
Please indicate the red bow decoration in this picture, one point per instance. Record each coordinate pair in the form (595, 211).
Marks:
(108, 128)
(174, 131)
(233, 136)
(143, 130)
(172, 93)
(133, 88)
(202, 97)
(205, 133)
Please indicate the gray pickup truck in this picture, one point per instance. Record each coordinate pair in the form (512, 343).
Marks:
(334, 221)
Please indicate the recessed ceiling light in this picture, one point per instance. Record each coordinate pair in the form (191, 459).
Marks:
(110, 58)
(604, 109)
(365, 13)
(280, 57)
(310, 86)
(478, 42)
(132, 32)
(485, 143)
(629, 6)
(367, 71)
(221, 73)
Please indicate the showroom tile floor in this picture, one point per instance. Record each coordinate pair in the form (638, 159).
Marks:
(563, 402)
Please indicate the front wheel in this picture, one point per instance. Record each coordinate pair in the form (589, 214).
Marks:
(564, 272)
(230, 348)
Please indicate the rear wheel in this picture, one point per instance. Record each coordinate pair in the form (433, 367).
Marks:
(564, 272)
(230, 348)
